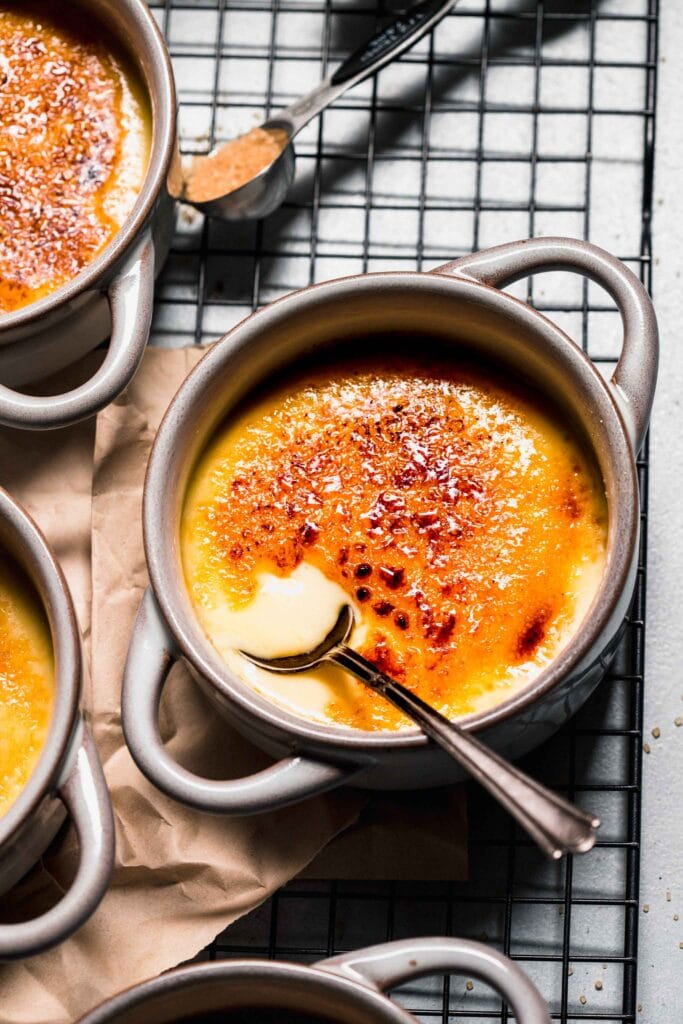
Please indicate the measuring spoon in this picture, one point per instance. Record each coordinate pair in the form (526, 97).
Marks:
(263, 193)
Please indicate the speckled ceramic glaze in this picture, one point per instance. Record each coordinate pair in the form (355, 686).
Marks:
(348, 988)
(461, 306)
(68, 778)
(113, 295)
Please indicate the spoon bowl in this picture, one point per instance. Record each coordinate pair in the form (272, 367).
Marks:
(338, 635)
(263, 193)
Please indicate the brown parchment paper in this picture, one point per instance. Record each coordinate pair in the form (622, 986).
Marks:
(50, 473)
(181, 877)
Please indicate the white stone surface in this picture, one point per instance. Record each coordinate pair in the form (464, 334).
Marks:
(660, 982)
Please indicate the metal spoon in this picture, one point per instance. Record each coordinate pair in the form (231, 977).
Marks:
(556, 825)
(267, 189)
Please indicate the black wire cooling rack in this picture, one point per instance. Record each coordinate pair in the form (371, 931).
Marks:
(513, 118)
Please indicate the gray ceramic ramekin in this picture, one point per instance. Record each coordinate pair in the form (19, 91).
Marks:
(461, 306)
(68, 778)
(113, 295)
(347, 988)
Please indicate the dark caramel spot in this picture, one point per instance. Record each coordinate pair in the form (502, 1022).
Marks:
(440, 632)
(427, 518)
(408, 476)
(309, 533)
(571, 506)
(391, 576)
(383, 658)
(533, 633)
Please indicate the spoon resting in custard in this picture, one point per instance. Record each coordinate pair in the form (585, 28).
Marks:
(557, 826)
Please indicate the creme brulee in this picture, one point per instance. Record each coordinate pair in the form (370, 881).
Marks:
(461, 519)
(75, 131)
(26, 681)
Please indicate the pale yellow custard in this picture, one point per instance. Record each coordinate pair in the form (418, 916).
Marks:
(460, 518)
(26, 680)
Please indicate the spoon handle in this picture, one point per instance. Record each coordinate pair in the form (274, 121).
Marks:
(552, 822)
(390, 42)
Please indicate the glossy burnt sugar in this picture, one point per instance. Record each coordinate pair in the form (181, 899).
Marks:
(26, 681)
(75, 132)
(460, 516)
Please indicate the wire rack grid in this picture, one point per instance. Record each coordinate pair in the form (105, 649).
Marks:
(513, 118)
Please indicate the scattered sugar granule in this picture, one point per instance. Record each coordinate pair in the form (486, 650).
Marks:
(583, 1000)
(646, 908)
(598, 984)
(469, 986)
(646, 748)
(656, 732)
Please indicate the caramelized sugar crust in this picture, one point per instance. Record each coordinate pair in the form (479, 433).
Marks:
(74, 140)
(459, 516)
(26, 682)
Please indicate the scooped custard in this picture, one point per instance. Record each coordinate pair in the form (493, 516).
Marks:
(26, 681)
(455, 512)
(75, 130)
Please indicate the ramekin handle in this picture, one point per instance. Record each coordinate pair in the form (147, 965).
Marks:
(633, 381)
(86, 798)
(392, 963)
(151, 654)
(131, 302)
